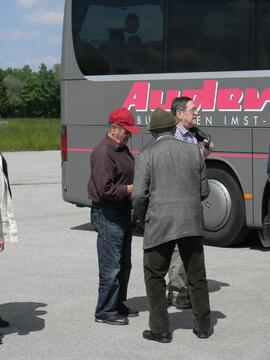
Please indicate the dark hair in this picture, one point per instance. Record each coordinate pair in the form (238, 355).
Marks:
(179, 103)
(132, 23)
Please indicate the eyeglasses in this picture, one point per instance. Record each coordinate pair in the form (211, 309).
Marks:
(191, 111)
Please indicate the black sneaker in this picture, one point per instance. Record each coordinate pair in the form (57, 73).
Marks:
(123, 310)
(112, 320)
(3, 323)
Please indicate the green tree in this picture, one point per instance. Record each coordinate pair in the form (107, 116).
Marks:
(31, 97)
(55, 94)
(41, 93)
(14, 88)
(57, 72)
(32, 94)
(4, 104)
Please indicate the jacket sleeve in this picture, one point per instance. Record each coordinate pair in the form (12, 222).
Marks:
(140, 194)
(204, 181)
(103, 178)
(2, 185)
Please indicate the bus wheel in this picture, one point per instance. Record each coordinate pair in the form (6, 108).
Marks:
(224, 210)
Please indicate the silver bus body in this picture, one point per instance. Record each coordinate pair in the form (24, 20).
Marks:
(233, 107)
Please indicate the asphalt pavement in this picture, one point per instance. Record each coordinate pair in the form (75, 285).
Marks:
(49, 285)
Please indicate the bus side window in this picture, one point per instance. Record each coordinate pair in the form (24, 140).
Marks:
(218, 39)
(262, 35)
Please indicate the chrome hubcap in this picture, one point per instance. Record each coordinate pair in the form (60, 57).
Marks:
(217, 207)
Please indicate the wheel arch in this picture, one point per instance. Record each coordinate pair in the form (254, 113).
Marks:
(224, 165)
(238, 233)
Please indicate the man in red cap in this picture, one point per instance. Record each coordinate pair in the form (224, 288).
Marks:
(109, 188)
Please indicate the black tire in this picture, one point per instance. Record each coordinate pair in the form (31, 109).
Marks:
(224, 210)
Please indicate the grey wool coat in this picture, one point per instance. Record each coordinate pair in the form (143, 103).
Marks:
(169, 183)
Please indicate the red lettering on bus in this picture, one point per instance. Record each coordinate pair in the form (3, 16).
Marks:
(253, 101)
(138, 96)
(208, 98)
(229, 100)
(205, 98)
(157, 96)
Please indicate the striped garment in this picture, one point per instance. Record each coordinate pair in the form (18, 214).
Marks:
(183, 134)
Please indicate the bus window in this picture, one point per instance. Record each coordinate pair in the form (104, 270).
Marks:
(122, 38)
(262, 35)
(209, 35)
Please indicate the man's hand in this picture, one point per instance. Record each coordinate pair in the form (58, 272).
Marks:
(130, 188)
(208, 148)
(2, 244)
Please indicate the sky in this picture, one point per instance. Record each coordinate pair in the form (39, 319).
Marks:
(30, 33)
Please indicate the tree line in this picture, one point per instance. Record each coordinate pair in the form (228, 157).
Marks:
(26, 93)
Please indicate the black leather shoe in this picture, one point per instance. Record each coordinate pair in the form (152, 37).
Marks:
(179, 306)
(3, 323)
(162, 338)
(112, 320)
(202, 334)
(125, 311)
(186, 305)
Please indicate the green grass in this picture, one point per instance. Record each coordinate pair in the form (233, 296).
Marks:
(29, 134)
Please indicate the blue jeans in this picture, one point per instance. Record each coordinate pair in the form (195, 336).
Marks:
(114, 257)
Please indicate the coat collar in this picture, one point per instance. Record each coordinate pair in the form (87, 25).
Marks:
(165, 136)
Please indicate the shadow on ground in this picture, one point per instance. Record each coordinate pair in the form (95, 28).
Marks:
(23, 317)
(140, 302)
(214, 285)
(88, 227)
(183, 319)
(252, 241)
(180, 319)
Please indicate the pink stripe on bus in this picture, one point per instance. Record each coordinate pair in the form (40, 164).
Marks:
(79, 150)
(217, 154)
(239, 155)
(260, 156)
(90, 150)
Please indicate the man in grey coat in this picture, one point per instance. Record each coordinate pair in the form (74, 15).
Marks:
(170, 182)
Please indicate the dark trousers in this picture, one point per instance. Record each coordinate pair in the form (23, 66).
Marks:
(114, 258)
(156, 265)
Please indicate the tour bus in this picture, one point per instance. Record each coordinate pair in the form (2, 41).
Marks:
(141, 54)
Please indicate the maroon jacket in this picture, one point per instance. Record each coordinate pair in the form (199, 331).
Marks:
(112, 169)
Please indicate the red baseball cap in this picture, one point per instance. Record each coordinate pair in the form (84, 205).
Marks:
(123, 117)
